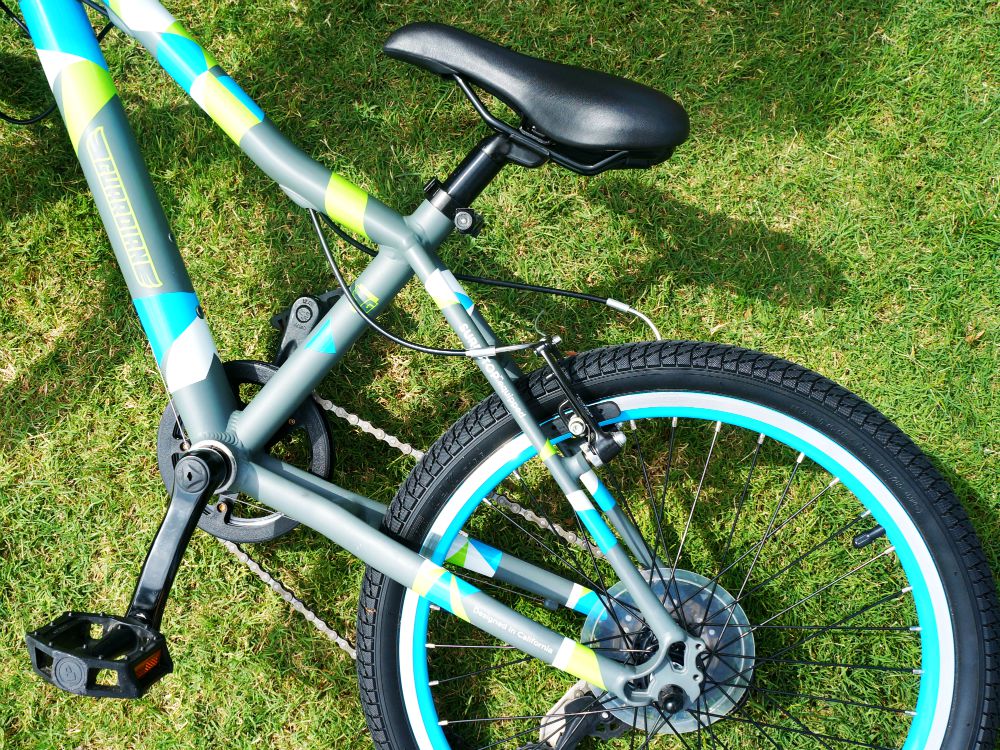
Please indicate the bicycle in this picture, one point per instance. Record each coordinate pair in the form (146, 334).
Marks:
(635, 448)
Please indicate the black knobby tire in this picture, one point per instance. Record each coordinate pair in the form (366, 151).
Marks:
(714, 369)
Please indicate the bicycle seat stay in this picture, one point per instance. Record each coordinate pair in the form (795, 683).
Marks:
(582, 111)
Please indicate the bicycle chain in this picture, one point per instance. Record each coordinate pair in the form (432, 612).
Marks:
(297, 604)
(544, 523)
(407, 450)
(368, 428)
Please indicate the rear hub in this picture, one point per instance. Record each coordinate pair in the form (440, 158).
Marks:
(704, 609)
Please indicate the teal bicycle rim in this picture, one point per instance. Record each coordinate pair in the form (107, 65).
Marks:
(937, 681)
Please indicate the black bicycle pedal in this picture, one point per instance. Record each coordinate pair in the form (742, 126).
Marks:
(101, 656)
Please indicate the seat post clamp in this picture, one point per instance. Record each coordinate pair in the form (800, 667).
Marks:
(466, 220)
(440, 198)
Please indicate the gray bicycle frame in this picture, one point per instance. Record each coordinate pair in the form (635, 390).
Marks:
(191, 367)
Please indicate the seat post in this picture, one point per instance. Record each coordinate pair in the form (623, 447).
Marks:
(478, 169)
(469, 178)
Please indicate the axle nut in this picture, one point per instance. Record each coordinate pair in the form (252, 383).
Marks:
(671, 699)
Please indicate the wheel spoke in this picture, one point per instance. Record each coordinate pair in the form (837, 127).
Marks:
(809, 732)
(553, 720)
(847, 618)
(770, 523)
(710, 729)
(831, 664)
(815, 593)
(732, 529)
(757, 545)
(760, 544)
(622, 495)
(529, 717)
(767, 696)
(820, 698)
(761, 730)
(623, 501)
(824, 628)
(666, 476)
(699, 702)
(796, 562)
(791, 730)
(741, 512)
(484, 670)
(734, 702)
(673, 729)
(687, 525)
(241, 502)
(701, 725)
(650, 734)
(911, 629)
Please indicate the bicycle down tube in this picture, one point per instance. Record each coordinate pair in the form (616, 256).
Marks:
(182, 343)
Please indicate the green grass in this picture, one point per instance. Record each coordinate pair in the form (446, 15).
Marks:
(836, 205)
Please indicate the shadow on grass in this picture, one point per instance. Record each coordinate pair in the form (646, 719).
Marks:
(705, 248)
(24, 93)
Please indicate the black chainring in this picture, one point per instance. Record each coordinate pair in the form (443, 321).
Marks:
(225, 518)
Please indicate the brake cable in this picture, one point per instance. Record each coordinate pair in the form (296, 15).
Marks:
(24, 30)
(517, 285)
(490, 351)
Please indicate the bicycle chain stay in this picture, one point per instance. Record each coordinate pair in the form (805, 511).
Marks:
(407, 450)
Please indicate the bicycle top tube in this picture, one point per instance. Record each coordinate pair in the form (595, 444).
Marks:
(303, 179)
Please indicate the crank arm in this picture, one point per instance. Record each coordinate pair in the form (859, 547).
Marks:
(197, 476)
(103, 656)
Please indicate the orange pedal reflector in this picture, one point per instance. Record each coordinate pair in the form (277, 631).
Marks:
(143, 667)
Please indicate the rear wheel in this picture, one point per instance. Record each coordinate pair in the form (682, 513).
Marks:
(830, 571)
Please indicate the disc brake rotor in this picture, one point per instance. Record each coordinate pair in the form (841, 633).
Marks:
(704, 609)
(304, 441)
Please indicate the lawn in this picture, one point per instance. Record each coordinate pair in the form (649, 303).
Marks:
(836, 204)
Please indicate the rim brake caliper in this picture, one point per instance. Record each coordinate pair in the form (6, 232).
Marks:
(599, 445)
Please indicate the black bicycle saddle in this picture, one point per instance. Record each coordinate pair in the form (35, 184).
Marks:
(582, 109)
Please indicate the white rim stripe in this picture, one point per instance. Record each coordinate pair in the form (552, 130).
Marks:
(731, 406)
